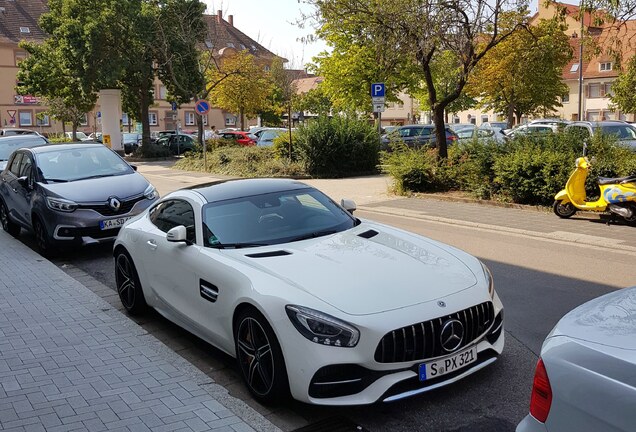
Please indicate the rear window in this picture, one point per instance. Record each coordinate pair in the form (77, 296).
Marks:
(622, 132)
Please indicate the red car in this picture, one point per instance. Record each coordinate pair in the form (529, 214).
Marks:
(243, 138)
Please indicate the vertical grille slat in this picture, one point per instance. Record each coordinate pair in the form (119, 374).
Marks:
(421, 341)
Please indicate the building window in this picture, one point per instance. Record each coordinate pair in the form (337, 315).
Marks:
(42, 119)
(593, 91)
(266, 68)
(19, 56)
(593, 115)
(484, 119)
(152, 119)
(163, 92)
(565, 98)
(190, 118)
(607, 90)
(84, 120)
(574, 67)
(604, 67)
(26, 118)
(25, 30)
(230, 45)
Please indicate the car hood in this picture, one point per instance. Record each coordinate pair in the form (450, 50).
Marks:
(608, 320)
(99, 189)
(361, 276)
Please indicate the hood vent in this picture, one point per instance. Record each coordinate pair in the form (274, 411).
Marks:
(268, 254)
(368, 234)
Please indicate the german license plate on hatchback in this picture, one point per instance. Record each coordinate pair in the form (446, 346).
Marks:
(448, 364)
(113, 223)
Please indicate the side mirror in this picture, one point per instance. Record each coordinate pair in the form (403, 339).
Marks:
(134, 167)
(178, 234)
(348, 205)
(24, 182)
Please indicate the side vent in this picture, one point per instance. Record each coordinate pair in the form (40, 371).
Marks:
(368, 234)
(208, 291)
(268, 254)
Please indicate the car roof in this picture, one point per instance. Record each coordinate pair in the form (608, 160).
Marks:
(235, 188)
(67, 146)
(22, 137)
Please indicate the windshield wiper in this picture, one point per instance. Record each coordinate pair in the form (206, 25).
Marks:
(95, 176)
(237, 245)
(56, 180)
(314, 235)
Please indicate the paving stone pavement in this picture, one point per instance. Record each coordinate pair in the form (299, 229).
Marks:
(69, 361)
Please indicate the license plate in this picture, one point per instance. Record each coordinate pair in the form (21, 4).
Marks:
(113, 223)
(447, 365)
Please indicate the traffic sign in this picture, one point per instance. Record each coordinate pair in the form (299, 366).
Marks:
(12, 113)
(378, 99)
(378, 108)
(173, 105)
(377, 90)
(202, 107)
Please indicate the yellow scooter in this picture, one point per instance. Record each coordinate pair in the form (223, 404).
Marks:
(618, 195)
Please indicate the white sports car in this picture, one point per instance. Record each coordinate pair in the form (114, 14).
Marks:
(308, 298)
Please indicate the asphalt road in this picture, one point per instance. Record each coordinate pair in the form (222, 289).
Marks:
(538, 280)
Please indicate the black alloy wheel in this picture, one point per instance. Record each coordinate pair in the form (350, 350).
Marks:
(260, 358)
(7, 225)
(563, 210)
(42, 238)
(128, 286)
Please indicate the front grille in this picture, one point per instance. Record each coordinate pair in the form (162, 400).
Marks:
(422, 340)
(105, 210)
(97, 233)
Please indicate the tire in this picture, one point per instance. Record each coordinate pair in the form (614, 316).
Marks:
(7, 225)
(260, 358)
(562, 210)
(128, 285)
(42, 237)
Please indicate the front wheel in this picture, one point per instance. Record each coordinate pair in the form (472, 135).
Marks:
(42, 238)
(128, 285)
(260, 358)
(563, 210)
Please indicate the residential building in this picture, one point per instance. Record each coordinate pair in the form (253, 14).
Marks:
(18, 21)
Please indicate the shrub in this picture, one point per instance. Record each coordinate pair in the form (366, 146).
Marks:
(339, 146)
(415, 169)
(281, 146)
(152, 151)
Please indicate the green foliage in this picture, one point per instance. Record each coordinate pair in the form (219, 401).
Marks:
(281, 147)
(242, 162)
(624, 96)
(338, 147)
(315, 101)
(215, 143)
(150, 151)
(414, 169)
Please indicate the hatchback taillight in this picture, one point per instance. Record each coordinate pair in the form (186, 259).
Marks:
(541, 398)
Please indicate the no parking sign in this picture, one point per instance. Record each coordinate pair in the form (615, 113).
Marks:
(202, 107)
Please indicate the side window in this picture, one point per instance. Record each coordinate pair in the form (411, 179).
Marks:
(15, 165)
(172, 213)
(425, 131)
(25, 166)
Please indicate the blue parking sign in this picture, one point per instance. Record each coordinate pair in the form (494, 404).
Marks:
(377, 90)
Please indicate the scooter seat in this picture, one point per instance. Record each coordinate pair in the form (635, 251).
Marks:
(610, 180)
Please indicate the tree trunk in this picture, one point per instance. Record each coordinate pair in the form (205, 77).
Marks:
(242, 119)
(145, 121)
(440, 132)
(511, 115)
(289, 126)
(75, 126)
(445, 116)
(64, 128)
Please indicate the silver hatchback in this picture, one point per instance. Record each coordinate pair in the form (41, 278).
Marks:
(72, 194)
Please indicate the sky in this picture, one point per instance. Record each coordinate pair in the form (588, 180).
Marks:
(271, 23)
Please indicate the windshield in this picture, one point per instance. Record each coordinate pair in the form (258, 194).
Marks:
(79, 163)
(273, 218)
(622, 132)
(9, 145)
(130, 138)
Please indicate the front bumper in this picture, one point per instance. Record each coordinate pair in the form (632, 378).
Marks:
(325, 375)
(82, 226)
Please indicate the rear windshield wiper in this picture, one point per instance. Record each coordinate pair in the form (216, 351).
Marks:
(237, 245)
(313, 235)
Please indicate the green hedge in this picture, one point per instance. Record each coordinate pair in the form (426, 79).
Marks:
(526, 170)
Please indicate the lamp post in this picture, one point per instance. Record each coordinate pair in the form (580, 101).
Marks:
(582, 16)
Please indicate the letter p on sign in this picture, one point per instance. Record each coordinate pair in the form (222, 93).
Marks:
(377, 90)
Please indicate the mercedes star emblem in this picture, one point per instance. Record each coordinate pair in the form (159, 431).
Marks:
(452, 335)
(114, 203)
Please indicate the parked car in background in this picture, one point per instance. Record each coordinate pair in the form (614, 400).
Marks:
(178, 144)
(10, 143)
(266, 137)
(560, 123)
(17, 131)
(585, 378)
(624, 132)
(242, 138)
(96, 136)
(131, 142)
(417, 136)
(389, 129)
(464, 130)
(531, 129)
(494, 125)
(80, 136)
(70, 194)
(255, 268)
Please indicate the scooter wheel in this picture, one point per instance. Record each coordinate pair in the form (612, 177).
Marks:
(563, 210)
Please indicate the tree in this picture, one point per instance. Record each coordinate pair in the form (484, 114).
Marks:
(44, 74)
(624, 88)
(241, 86)
(314, 101)
(522, 74)
(410, 33)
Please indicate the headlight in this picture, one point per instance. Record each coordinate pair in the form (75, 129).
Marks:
(60, 204)
(488, 276)
(321, 328)
(151, 193)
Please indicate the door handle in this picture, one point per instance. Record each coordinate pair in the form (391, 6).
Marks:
(151, 244)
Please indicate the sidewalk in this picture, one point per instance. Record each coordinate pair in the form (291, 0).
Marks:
(69, 361)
